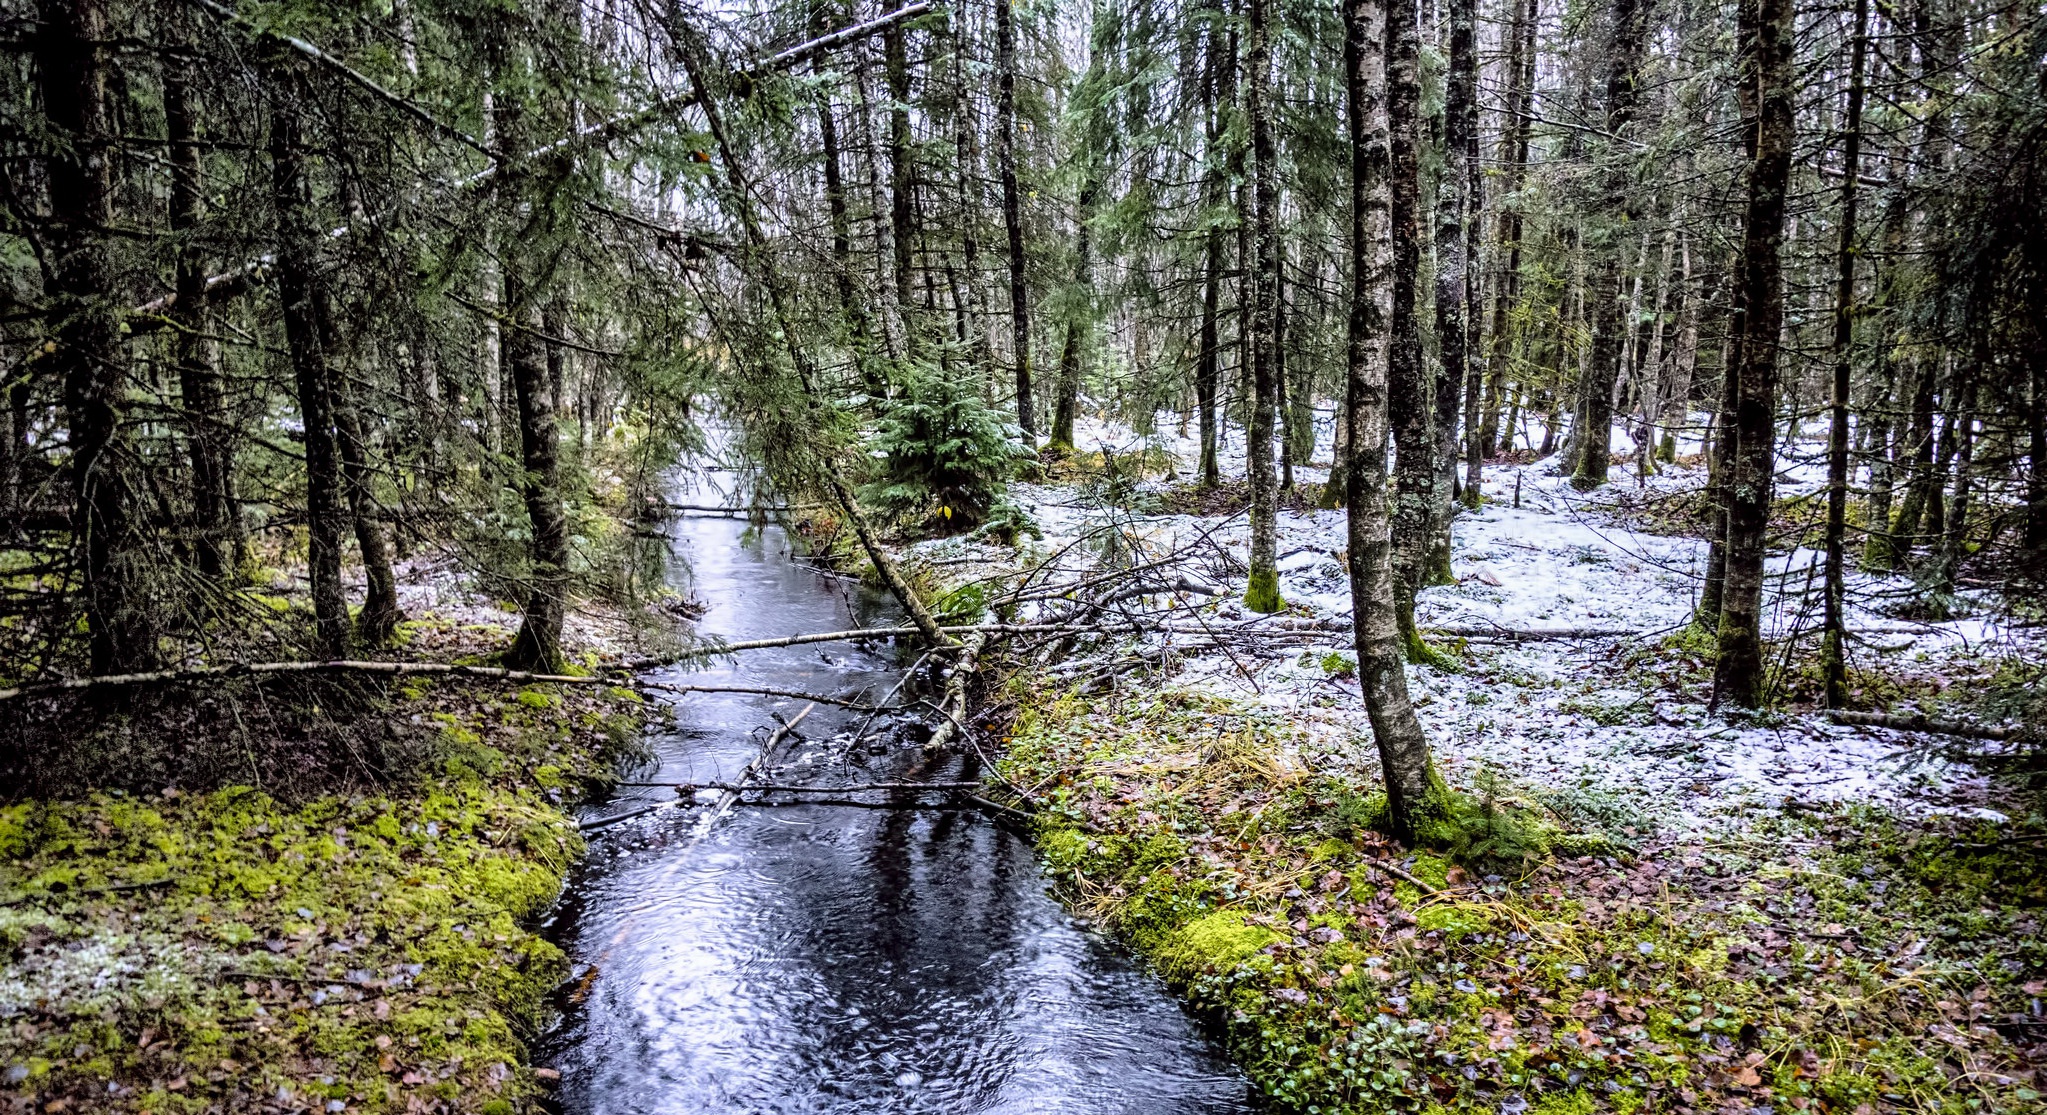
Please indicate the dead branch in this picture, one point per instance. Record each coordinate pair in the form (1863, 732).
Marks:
(858, 787)
(954, 704)
(1918, 723)
(259, 669)
(725, 804)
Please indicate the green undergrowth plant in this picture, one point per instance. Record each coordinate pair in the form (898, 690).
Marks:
(941, 455)
(371, 949)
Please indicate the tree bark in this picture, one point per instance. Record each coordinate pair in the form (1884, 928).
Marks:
(1628, 32)
(1408, 388)
(860, 330)
(216, 518)
(1456, 328)
(1220, 87)
(298, 240)
(538, 644)
(1514, 135)
(1012, 211)
(1738, 668)
(1414, 792)
(2036, 439)
(1067, 403)
(1261, 593)
(1834, 650)
(902, 175)
(73, 70)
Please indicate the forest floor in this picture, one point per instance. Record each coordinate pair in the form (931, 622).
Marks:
(354, 935)
(1657, 907)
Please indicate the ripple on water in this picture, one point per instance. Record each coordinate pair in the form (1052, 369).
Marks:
(817, 959)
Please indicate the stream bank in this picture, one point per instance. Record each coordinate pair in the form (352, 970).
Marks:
(1657, 907)
(888, 951)
(332, 944)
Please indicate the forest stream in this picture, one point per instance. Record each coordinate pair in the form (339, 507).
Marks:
(827, 958)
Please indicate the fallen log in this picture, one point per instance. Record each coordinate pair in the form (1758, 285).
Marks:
(259, 669)
(724, 806)
(1918, 723)
(1492, 634)
(769, 691)
(763, 787)
(954, 704)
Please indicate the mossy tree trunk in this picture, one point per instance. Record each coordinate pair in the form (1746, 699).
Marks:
(1408, 388)
(1262, 592)
(1834, 650)
(1413, 791)
(1738, 667)
(298, 238)
(1012, 212)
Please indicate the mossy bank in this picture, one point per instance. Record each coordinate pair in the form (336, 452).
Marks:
(1832, 961)
(368, 949)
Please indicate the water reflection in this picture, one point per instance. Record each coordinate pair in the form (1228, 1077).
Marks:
(818, 958)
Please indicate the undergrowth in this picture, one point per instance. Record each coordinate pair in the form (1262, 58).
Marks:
(367, 950)
(1834, 962)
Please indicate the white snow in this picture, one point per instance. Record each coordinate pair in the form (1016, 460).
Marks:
(1592, 723)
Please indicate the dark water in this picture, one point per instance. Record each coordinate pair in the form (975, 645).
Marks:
(826, 959)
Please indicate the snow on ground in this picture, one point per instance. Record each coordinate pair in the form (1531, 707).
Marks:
(1591, 725)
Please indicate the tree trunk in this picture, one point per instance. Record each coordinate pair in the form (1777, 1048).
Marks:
(298, 240)
(1261, 594)
(2036, 439)
(1012, 211)
(1218, 86)
(1684, 360)
(380, 614)
(1881, 442)
(1720, 456)
(1738, 668)
(1593, 438)
(1834, 650)
(1456, 330)
(538, 644)
(1952, 545)
(216, 518)
(860, 330)
(1514, 134)
(1067, 403)
(1282, 390)
(902, 175)
(1414, 793)
(73, 70)
(1408, 388)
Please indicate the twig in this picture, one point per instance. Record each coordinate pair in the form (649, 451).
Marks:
(723, 807)
(111, 888)
(1924, 724)
(858, 787)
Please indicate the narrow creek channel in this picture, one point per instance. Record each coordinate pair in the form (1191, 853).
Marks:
(819, 958)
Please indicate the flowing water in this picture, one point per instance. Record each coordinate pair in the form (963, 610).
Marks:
(821, 958)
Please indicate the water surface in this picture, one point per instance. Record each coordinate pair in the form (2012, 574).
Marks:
(818, 958)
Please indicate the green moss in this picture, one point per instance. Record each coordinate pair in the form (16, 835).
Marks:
(1577, 1101)
(1216, 943)
(535, 698)
(1262, 593)
(1455, 919)
(363, 937)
